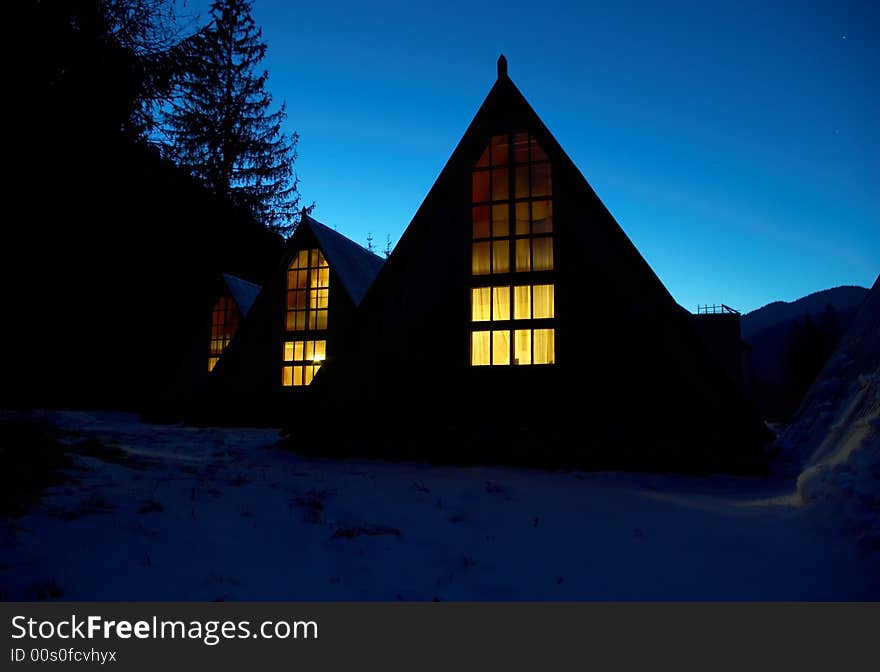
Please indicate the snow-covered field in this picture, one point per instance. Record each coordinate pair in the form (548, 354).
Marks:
(208, 514)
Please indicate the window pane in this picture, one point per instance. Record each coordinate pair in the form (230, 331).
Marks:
(322, 262)
(522, 302)
(500, 347)
(545, 350)
(297, 375)
(300, 320)
(481, 221)
(484, 159)
(480, 298)
(320, 319)
(320, 351)
(291, 279)
(290, 321)
(542, 254)
(500, 221)
(302, 259)
(521, 182)
(522, 219)
(480, 259)
(541, 179)
(480, 348)
(324, 277)
(302, 279)
(538, 154)
(523, 248)
(500, 186)
(310, 351)
(481, 186)
(287, 376)
(499, 150)
(542, 216)
(544, 301)
(298, 351)
(522, 346)
(212, 362)
(501, 256)
(288, 351)
(501, 303)
(521, 147)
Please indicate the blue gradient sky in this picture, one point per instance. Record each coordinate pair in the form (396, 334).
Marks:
(737, 144)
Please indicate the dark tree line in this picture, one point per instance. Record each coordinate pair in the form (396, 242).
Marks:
(110, 248)
(809, 344)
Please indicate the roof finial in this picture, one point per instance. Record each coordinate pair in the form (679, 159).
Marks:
(502, 67)
(305, 211)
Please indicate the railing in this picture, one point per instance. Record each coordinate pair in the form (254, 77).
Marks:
(721, 309)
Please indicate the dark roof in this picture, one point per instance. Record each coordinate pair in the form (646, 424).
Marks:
(356, 267)
(243, 292)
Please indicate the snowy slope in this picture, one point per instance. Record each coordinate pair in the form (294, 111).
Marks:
(205, 514)
(836, 432)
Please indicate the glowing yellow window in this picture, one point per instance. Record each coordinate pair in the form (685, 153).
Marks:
(500, 347)
(544, 305)
(306, 357)
(522, 346)
(480, 348)
(522, 302)
(224, 324)
(480, 303)
(545, 347)
(501, 303)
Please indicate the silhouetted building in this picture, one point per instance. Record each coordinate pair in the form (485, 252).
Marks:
(230, 300)
(515, 321)
(295, 322)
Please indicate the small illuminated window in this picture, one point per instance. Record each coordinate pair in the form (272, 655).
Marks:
(513, 313)
(302, 359)
(502, 347)
(224, 324)
(308, 305)
(308, 291)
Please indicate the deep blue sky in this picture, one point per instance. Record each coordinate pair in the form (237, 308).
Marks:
(737, 144)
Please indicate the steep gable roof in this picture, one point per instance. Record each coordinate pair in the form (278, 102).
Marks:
(243, 292)
(355, 266)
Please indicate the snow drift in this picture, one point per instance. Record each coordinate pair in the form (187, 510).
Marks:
(836, 432)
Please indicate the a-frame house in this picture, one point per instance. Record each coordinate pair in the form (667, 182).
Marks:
(229, 301)
(295, 324)
(516, 322)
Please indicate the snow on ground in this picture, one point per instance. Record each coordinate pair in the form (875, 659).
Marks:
(210, 514)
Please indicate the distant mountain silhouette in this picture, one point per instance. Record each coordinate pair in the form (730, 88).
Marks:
(779, 312)
(790, 342)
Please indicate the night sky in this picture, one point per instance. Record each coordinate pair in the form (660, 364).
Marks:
(737, 144)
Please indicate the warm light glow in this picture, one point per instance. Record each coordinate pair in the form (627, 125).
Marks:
(480, 348)
(512, 233)
(481, 304)
(308, 291)
(306, 357)
(308, 305)
(224, 324)
(545, 346)
(500, 348)
(544, 304)
(522, 347)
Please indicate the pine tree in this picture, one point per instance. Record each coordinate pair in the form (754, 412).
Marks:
(220, 127)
